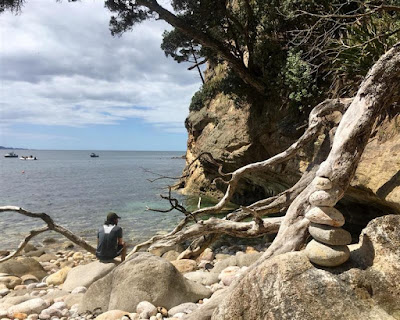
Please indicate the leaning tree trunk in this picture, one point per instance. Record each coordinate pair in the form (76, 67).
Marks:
(379, 90)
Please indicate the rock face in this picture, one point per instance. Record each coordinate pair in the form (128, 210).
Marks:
(85, 275)
(144, 277)
(290, 287)
(237, 134)
(22, 266)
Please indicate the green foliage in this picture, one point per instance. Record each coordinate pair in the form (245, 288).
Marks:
(298, 79)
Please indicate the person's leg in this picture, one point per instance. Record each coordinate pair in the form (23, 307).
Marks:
(123, 252)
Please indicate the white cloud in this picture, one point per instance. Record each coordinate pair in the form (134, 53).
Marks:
(60, 66)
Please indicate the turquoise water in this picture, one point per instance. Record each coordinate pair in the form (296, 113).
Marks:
(77, 192)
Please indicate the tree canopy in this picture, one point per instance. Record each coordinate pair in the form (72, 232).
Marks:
(289, 48)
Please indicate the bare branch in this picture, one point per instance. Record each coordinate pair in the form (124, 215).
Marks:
(51, 226)
(24, 242)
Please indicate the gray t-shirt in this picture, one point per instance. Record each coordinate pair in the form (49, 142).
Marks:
(107, 247)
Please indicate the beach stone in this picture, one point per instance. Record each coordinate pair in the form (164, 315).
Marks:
(20, 287)
(222, 256)
(142, 277)
(36, 253)
(49, 240)
(326, 215)
(163, 311)
(221, 265)
(171, 255)
(329, 235)
(207, 255)
(185, 308)
(10, 281)
(247, 259)
(79, 290)
(4, 292)
(228, 275)
(327, 256)
(33, 316)
(323, 198)
(250, 250)
(31, 306)
(67, 245)
(8, 301)
(47, 257)
(20, 315)
(322, 183)
(29, 247)
(41, 285)
(205, 311)
(85, 275)
(146, 309)
(77, 256)
(112, 315)
(204, 277)
(58, 277)
(29, 279)
(21, 266)
(184, 265)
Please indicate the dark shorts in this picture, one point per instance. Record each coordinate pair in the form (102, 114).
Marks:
(119, 252)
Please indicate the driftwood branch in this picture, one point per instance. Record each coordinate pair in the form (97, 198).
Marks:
(51, 226)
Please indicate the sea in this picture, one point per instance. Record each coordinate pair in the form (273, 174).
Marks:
(78, 191)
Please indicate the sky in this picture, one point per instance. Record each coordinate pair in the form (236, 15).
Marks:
(66, 83)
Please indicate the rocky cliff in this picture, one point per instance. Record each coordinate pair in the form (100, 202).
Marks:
(237, 133)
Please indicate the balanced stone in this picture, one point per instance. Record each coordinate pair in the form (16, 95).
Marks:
(326, 215)
(329, 235)
(322, 183)
(325, 255)
(323, 198)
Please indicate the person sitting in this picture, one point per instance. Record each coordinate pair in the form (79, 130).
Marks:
(109, 240)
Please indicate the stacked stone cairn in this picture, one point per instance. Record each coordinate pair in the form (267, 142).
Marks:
(329, 246)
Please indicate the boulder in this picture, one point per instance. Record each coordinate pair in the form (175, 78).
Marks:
(290, 287)
(31, 306)
(85, 275)
(329, 235)
(184, 265)
(142, 277)
(23, 265)
(58, 277)
(325, 255)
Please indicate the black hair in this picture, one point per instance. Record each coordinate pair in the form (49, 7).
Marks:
(111, 222)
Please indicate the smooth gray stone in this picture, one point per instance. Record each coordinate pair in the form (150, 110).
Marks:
(329, 235)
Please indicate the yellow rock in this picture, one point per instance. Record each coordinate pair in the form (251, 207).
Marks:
(20, 315)
(58, 277)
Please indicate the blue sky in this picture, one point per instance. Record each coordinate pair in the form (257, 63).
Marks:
(66, 83)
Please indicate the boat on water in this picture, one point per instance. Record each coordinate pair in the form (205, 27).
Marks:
(27, 158)
(93, 155)
(10, 155)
